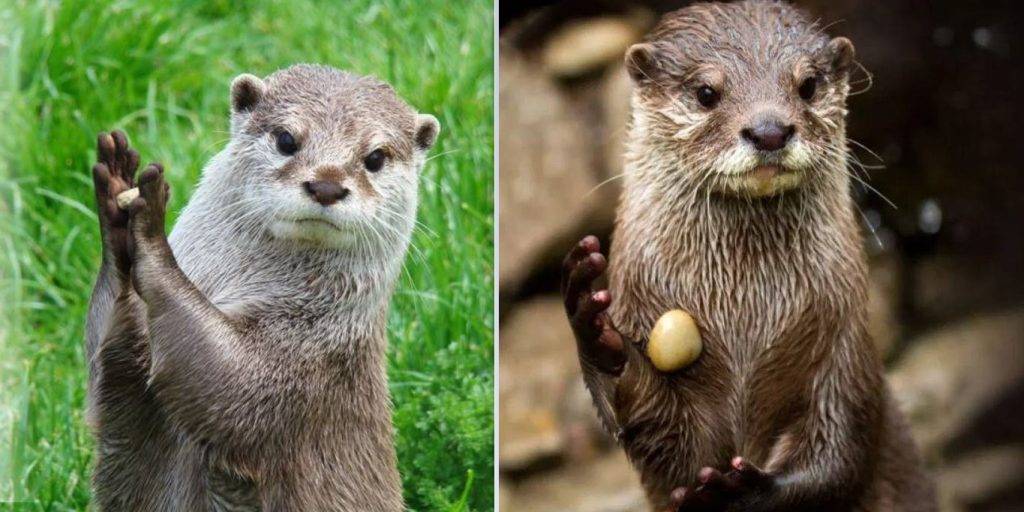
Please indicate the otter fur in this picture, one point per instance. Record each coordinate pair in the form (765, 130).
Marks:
(737, 209)
(239, 364)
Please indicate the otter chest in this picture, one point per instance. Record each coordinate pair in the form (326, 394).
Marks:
(763, 327)
(742, 313)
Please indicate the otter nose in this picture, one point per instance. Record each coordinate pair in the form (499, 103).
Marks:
(325, 192)
(770, 135)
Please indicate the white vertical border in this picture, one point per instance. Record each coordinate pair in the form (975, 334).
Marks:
(496, 236)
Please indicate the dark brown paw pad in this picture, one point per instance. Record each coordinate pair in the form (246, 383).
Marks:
(121, 160)
(149, 208)
(717, 491)
(113, 174)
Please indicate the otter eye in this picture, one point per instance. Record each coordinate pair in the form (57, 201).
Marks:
(375, 160)
(807, 88)
(286, 143)
(708, 96)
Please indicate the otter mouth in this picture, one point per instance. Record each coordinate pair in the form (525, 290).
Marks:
(317, 231)
(318, 221)
(767, 171)
(765, 179)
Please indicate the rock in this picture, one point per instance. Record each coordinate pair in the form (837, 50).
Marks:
(883, 302)
(607, 484)
(585, 45)
(972, 481)
(539, 368)
(585, 437)
(547, 173)
(615, 96)
(951, 377)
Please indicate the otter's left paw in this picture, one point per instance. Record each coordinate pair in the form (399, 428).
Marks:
(736, 489)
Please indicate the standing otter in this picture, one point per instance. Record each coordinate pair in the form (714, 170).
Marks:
(736, 208)
(239, 363)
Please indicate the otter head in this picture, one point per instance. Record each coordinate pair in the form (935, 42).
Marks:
(327, 159)
(741, 99)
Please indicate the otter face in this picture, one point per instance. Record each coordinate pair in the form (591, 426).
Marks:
(744, 99)
(328, 159)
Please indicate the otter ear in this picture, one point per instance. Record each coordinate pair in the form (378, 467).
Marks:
(642, 62)
(246, 91)
(427, 129)
(841, 54)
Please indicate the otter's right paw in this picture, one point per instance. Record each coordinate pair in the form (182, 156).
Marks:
(150, 250)
(149, 209)
(114, 173)
(598, 342)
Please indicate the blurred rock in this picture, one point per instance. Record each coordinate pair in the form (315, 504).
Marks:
(949, 378)
(547, 182)
(883, 299)
(538, 365)
(585, 437)
(607, 484)
(616, 91)
(588, 45)
(971, 482)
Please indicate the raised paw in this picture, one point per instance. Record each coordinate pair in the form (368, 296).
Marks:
(149, 209)
(736, 489)
(598, 341)
(114, 173)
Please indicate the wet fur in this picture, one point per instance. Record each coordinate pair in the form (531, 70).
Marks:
(789, 378)
(232, 369)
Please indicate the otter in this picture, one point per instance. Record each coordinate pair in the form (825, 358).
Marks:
(736, 208)
(239, 363)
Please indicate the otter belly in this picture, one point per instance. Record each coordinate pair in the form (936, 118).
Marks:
(745, 392)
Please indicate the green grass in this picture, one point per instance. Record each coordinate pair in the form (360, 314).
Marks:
(160, 70)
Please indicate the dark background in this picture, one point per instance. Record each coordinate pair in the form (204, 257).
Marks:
(938, 126)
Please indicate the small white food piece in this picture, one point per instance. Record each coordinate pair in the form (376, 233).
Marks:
(125, 198)
(674, 342)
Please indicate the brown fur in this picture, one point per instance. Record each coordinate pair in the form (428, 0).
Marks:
(776, 280)
(234, 369)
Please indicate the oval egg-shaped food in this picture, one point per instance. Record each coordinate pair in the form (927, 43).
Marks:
(674, 342)
(125, 198)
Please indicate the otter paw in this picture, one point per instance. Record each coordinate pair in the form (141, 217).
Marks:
(113, 173)
(598, 341)
(149, 209)
(716, 491)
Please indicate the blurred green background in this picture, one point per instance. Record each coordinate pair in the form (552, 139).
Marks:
(160, 71)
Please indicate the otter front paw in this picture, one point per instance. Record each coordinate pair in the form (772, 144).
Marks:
(598, 342)
(149, 209)
(740, 488)
(113, 173)
(149, 248)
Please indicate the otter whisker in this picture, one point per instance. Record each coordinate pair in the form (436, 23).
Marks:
(881, 161)
(603, 183)
(867, 76)
(443, 153)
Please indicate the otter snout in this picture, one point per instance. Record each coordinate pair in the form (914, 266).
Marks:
(325, 192)
(768, 134)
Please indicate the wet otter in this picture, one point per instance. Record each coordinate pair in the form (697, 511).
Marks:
(736, 208)
(239, 363)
